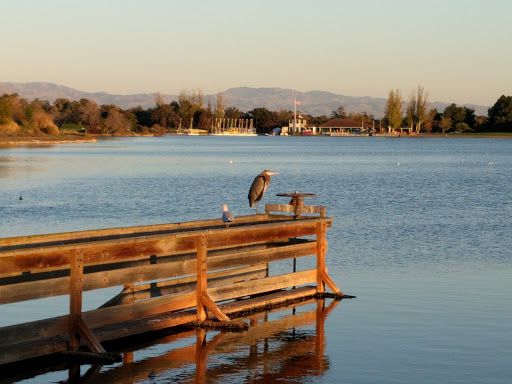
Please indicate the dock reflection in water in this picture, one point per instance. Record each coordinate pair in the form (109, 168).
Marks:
(283, 344)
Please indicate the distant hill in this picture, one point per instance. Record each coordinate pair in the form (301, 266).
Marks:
(51, 92)
(316, 103)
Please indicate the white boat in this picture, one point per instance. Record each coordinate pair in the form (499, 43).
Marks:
(196, 132)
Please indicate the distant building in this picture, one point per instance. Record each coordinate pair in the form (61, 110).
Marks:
(344, 127)
(301, 127)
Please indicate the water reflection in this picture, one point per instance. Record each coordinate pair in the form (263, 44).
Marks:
(12, 167)
(283, 344)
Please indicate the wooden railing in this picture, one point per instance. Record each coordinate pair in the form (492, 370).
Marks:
(171, 274)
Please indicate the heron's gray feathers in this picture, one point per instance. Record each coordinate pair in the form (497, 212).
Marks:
(258, 188)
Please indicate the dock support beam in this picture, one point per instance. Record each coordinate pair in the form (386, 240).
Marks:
(321, 230)
(75, 297)
(202, 298)
(322, 278)
(201, 276)
(77, 327)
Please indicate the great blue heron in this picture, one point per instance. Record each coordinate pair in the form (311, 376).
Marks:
(259, 186)
(227, 216)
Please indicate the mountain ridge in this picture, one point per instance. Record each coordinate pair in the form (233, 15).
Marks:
(315, 102)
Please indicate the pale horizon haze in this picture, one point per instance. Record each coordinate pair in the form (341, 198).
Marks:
(459, 51)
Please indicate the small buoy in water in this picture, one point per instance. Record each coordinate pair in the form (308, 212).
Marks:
(230, 162)
(21, 198)
(491, 163)
(397, 163)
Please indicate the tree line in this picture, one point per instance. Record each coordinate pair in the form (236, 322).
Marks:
(415, 114)
(18, 116)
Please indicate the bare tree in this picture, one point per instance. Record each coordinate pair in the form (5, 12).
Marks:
(410, 111)
(159, 99)
(191, 103)
(421, 107)
(220, 106)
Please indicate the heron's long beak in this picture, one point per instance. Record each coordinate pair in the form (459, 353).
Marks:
(273, 173)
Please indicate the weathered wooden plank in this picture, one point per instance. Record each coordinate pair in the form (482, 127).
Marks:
(186, 267)
(98, 234)
(34, 290)
(269, 284)
(288, 208)
(145, 308)
(138, 310)
(152, 243)
(266, 300)
(167, 269)
(146, 291)
(40, 347)
(118, 277)
(138, 326)
(14, 263)
(184, 284)
(101, 252)
(34, 330)
(261, 256)
(261, 233)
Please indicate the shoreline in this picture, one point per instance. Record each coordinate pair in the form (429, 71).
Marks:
(70, 139)
(64, 139)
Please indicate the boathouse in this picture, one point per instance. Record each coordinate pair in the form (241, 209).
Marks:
(340, 127)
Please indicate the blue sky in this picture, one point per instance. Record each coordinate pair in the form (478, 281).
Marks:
(459, 51)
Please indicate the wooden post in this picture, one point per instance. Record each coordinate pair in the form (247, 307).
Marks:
(127, 357)
(321, 229)
(77, 327)
(202, 298)
(202, 282)
(75, 297)
(322, 277)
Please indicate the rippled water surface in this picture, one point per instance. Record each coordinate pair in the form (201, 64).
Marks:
(421, 235)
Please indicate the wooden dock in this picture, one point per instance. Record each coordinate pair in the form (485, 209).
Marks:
(170, 274)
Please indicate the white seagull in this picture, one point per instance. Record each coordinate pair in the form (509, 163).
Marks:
(227, 216)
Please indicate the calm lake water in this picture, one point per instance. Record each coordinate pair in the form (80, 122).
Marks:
(421, 235)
